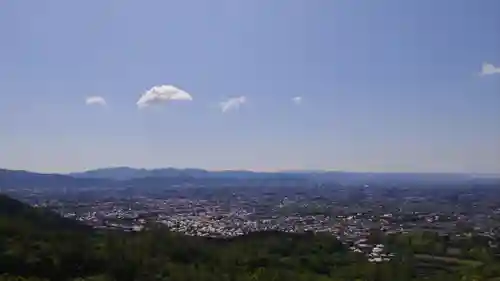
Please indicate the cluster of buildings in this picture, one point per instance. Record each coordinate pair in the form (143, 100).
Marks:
(375, 253)
(346, 212)
(237, 213)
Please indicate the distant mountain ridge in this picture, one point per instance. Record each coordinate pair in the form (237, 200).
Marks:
(127, 173)
(129, 177)
(20, 178)
(120, 177)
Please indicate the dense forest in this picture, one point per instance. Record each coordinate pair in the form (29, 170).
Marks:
(36, 244)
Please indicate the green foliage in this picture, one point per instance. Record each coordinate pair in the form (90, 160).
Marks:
(63, 250)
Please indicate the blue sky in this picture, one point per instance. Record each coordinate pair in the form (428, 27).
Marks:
(386, 85)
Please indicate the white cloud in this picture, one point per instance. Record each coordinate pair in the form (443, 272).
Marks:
(162, 93)
(297, 100)
(95, 100)
(232, 103)
(489, 69)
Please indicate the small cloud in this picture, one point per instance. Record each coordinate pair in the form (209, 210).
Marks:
(161, 94)
(232, 103)
(95, 100)
(489, 69)
(297, 100)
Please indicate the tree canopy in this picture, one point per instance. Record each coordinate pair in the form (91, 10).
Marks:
(39, 245)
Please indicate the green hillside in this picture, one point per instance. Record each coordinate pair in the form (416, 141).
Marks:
(39, 245)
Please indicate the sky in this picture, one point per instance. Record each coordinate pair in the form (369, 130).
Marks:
(381, 86)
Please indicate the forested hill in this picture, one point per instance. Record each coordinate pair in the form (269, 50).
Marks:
(13, 212)
(38, 245)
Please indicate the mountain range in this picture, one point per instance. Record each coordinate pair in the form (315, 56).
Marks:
(133, 177)
(127, 173)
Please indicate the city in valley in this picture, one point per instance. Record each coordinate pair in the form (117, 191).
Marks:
(348, 206)
(250, 140)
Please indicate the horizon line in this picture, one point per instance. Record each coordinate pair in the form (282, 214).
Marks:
(275, 171)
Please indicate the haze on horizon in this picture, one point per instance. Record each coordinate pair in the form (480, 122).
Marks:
(380, 86)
